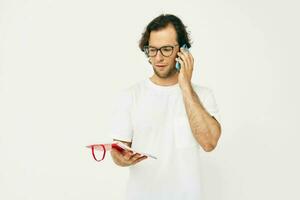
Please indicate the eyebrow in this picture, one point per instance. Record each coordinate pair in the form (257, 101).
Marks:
(167, 45)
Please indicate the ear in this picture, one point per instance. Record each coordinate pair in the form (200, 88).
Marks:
(149, 60)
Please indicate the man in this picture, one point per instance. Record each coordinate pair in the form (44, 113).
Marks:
(167, 116)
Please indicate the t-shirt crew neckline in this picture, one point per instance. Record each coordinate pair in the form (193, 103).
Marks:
(162, 89)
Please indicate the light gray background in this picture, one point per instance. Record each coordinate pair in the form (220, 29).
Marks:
(62, 63)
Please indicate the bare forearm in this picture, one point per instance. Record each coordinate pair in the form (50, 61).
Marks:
(205, 128)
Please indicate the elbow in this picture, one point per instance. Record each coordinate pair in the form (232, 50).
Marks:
(209, 147)
(210, 142)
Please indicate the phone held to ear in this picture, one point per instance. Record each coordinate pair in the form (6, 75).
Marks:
(178, 66)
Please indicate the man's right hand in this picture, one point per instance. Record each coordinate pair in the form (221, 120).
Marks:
(126, 158)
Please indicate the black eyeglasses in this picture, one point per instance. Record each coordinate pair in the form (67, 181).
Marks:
(164, 50)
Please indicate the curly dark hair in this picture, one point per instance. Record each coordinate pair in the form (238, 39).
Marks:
(161, 22)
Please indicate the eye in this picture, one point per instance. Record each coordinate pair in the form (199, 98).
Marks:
(152, 50)
(167, 49)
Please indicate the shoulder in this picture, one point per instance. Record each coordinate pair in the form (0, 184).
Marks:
(128, 93)
(202, 91)
(206, 96)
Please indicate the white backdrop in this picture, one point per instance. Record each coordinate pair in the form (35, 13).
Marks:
(62, 62)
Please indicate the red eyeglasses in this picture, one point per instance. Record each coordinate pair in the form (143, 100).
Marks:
(101, 149)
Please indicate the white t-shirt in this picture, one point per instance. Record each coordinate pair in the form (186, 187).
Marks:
(154, 119)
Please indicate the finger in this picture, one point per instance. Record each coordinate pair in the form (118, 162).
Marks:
(186, 52)
(184, 58)
(188, 56)
(191, 60)
(181, 64)
(139, 159)
(135, 157)
(127, 155)
(129, 160)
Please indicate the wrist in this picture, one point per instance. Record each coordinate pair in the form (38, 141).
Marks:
(187, 89)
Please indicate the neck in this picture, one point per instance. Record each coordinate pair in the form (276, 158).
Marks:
(165, 81)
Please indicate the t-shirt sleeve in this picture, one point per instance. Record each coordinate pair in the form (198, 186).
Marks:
(207, 98)
(121, 123)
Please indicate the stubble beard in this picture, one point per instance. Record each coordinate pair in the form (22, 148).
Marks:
(165, 74)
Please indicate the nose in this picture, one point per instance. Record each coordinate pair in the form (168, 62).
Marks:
(159, 56)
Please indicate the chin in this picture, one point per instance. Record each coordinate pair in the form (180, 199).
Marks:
(167, 74)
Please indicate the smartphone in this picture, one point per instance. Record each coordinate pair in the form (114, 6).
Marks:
(177, 66)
